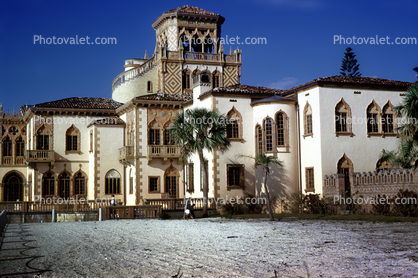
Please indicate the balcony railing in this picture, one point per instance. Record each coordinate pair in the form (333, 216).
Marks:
(164, 151)
(201, 56)
(127, 155)
(39, 156)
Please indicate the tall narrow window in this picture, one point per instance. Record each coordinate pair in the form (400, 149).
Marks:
(232, 130)
(269, 135)
(234, 126)
(112, 182)
(310, 181)
(186, 80)
(307, 111)
(79, 184)
(259, 132)
(20, 147)
(342, 117)
(345, 167)
(190, 178)
(388, 119)
(42, 139)
(171, 177)
(72, 139)
(373, 112)
(168, 139)
(48, 184)
(64, 186)
(149, 87)
(280, 129)
(7, 147)
(154, 136)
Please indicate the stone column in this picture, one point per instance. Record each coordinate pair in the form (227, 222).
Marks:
(1, 192)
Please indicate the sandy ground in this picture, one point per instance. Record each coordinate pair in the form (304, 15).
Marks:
(211, 248)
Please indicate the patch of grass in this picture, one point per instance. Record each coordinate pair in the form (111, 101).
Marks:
(350, 217)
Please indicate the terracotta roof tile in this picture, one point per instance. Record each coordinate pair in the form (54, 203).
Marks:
(166, 97)
(81, 103)
(190, 10)
(243, 89)
(353, 81)
(113, 120)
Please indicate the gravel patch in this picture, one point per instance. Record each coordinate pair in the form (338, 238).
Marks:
(222, 248)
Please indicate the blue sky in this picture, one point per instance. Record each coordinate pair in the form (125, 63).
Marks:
(299, 45)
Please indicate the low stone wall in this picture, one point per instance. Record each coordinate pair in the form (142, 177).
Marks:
(386, 183)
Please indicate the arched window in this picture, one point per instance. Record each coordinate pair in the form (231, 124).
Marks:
(154, 134)
(373, 118)
(259, 140)
(42, 140)
(345, 167)
(307, 117)
(196, 44)
(48, 184)
(72, 141)
(389, 119)
(234, 126)
(216, 79)
(171, 177)
(342, 118)
(64, 185)
(79, 184)
(208, 44)
(7, 147)
(282, 129)
(382, 166)
(205, 77)
(268, 130)
(112, 182)
(186, 79)
(20, 147)
(168, 138)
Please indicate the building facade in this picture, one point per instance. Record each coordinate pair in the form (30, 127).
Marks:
(96, 147)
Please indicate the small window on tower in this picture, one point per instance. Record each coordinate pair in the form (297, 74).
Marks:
(149, 87)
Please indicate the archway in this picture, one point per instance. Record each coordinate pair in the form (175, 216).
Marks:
(13, 187)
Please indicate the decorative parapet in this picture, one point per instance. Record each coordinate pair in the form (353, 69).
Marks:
(383, 183)
(371, 184)
(334, 185)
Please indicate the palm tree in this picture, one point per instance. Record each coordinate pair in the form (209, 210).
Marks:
(266, 162)
(409, 109)
(405, 157)
(196, 130)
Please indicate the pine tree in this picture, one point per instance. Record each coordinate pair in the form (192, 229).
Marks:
(416, 70)
(349, 66)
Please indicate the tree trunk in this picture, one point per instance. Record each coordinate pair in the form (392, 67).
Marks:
(268, 196)
(205, 184)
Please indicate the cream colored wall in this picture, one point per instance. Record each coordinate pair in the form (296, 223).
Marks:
(363, 151)
(284, 181)
(110, 139)
(136, 87)
(311, 152)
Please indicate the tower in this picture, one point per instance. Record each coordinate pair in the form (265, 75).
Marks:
(188, 51)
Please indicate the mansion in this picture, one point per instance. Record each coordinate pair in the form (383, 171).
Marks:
(96, 147)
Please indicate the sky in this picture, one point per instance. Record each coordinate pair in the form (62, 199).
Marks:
(299, 42)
